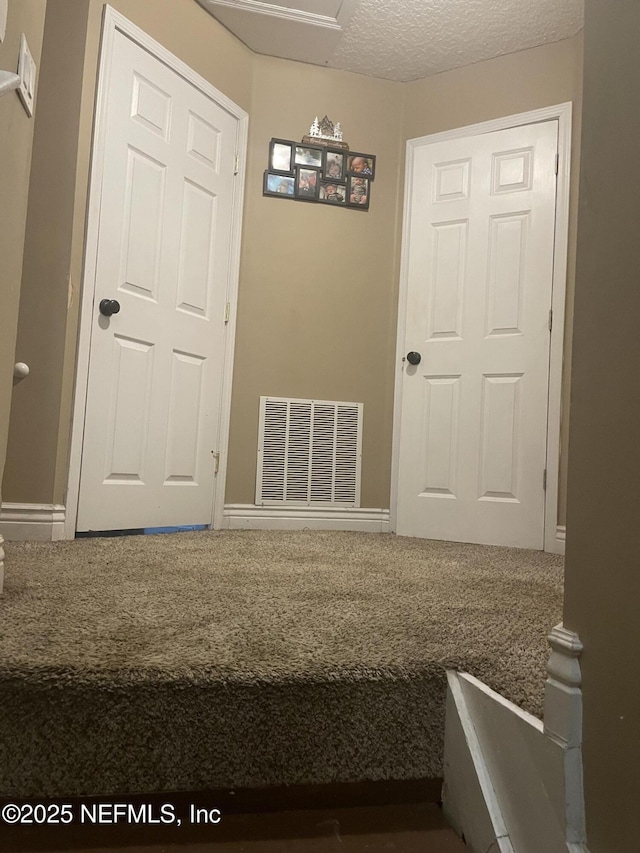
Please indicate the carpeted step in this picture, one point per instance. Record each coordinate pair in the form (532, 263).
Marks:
(251, 658)
(82, 737)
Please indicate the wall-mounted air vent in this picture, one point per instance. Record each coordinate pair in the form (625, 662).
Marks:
(309, 452)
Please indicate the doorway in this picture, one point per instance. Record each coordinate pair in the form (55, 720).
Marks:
(477, 417)
(157, 325)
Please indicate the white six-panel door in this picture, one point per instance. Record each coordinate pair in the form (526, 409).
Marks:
(473, 422)
(155, 369)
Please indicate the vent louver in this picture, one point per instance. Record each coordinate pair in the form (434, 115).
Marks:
(309, 452)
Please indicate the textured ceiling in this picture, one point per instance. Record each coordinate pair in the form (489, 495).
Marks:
(410, 39)
(399, 39)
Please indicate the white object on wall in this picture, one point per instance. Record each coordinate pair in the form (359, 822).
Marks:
(27, 73)
(20, 370)
(4, 5)
(309, 452)
(8, 82)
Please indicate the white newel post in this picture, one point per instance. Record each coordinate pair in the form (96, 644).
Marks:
(1, 564)
(563, 722)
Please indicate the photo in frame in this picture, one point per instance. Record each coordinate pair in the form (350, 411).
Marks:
(282, 186)
(281, 156)
(325, 173)
(361, 164)
(334, 166)
(331, 192)
(358, 191)
(307, 183)
(305, 156)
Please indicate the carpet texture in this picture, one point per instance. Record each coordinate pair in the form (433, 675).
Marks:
(251, 658)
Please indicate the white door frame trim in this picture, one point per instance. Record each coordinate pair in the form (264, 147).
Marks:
(561, 112)
(114, 22)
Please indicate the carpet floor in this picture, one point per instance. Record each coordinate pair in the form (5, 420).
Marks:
(251, 658)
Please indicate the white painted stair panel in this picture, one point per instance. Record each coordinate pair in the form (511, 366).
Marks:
(469, 800)
(507, 783)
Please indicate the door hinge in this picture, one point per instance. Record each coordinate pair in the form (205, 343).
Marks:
(216, 456)
(557, 163)
(227, 312)
(236, 164)
(550, 319)
(544, 480)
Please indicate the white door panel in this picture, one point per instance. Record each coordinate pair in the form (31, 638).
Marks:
(480, 266)
(155, 370)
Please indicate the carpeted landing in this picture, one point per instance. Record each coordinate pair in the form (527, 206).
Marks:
(250, 658)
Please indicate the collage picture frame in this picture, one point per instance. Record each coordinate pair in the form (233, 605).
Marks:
(325, 175)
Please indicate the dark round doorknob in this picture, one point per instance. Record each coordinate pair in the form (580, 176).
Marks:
(109, 307)
(414, 357)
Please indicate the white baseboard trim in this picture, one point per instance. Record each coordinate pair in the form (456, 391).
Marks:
(555, 540)
(38, 522)
(251, 517)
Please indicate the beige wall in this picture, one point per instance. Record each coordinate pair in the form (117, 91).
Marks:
(46, 285)
(40, 429)
(511, 84)
(317, 294)
(318, 286)
(16, 138)
(602, 575)
(188, 31)
(523, 81)
(303, 333)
